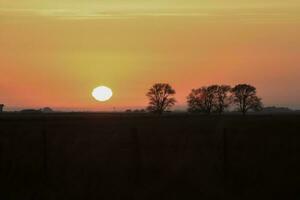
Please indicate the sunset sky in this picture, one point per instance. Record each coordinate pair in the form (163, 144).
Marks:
(53, 53)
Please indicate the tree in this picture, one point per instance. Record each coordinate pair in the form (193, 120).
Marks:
(1, 107)
(201, 100)
(244, 96)
(195, 101)
(161, 98)
(221, 96)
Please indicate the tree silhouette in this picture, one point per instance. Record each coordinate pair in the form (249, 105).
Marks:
(194, 101)
(221, 96)
(244, 96)
(201, 100)
(1, 107)
(160, 98)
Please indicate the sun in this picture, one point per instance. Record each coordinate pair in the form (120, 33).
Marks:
(102, 93)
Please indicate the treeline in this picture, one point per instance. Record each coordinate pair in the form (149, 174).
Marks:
(209, 99)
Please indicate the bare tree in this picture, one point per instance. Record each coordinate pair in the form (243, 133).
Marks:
(161, 98)
(201, 100)
(244, 96)
(222, 98)
(195, 101)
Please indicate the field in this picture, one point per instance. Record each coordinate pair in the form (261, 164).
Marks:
(139, 156)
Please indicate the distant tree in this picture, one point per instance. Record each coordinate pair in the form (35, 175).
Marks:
(222, 98)
(139, 111)
(201, 100)
(244, 96)
(195, 101)
(1, 107)
(142, 110)
(47, 110)
(32, 111)
(161, 98)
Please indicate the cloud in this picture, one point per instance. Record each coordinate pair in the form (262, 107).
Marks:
(235, 14)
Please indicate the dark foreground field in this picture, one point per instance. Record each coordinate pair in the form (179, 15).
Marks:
(114, 156)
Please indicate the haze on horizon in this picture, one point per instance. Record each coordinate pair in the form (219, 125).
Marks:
(54, 53)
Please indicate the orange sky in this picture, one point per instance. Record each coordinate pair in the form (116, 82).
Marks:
(54, 54)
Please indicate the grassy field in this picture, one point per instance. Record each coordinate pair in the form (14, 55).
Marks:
(139, 156)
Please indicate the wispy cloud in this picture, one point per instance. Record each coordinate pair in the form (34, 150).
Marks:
(96, 14)
(247, 15)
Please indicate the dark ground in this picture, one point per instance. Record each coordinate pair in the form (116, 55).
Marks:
(131, 156)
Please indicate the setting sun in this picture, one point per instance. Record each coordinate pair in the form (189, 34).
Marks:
(102, 93)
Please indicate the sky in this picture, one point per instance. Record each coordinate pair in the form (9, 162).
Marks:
(53, 53)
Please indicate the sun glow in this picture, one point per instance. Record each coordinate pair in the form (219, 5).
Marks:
(102, 93)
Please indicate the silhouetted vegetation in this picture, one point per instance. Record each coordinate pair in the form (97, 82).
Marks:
(201, 100)
(221, 96)
(160, 98)
(139, 111)
(274, 109)
(216, 98)
(33, 111)
(1, 107)
(209, 99)
(47, 110)
(135, 111)
(244, 96)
